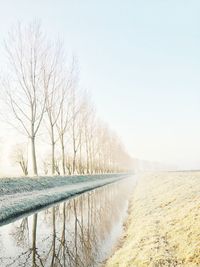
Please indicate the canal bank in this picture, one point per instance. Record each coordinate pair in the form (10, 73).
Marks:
(19, 196)
(163, 225)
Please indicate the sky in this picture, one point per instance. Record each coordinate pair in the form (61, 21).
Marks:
(141, 62)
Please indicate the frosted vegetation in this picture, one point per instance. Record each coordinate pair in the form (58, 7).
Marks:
(20, 195)
(163, 223)
(28, 184)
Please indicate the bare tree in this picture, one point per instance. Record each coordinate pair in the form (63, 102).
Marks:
(69, 164)
(19, 156)
(76, 107)
(54, 96)
(26, 48)
(88, 131)
(57, 166)
(45, 167)
(64, 119)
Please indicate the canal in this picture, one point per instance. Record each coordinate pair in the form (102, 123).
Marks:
(81, 231)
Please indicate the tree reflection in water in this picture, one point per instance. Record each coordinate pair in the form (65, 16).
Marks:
(78, 232)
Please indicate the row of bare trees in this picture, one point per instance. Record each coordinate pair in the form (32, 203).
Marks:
(43, 94)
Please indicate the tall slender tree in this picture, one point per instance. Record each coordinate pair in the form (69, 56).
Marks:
(54, 96)
(64, 119)
(26, 48)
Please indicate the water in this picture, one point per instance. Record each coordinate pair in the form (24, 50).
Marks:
(79, 232)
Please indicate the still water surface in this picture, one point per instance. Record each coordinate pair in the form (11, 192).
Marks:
(78, 232)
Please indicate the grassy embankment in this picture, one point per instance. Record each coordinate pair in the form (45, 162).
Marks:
(23, 195)
(163, 226)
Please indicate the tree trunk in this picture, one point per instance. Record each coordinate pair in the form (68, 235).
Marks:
(34, 234)
(34, 161)
(63, 155)
(80, 158)
(54, 238)
(74, 163)
(52, 151)
(87, 157)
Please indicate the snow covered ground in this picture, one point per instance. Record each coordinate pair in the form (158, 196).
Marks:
(163, 227)
(23, 195)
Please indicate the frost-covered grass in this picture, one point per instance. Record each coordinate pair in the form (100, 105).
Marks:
(163, 227)
(22, 195)
(28, 184)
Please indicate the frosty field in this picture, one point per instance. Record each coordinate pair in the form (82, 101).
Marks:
(163, 227)
(21, 195)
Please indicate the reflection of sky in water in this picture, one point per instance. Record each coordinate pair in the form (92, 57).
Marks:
(79, 232)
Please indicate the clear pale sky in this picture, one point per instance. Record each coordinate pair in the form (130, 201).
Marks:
(141, 62)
